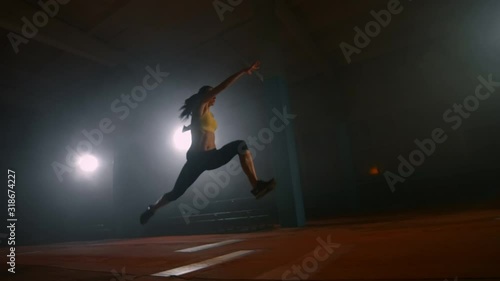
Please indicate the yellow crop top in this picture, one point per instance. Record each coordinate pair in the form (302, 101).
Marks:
(207, 122)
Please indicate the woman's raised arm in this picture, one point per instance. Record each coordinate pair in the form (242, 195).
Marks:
(230, 80)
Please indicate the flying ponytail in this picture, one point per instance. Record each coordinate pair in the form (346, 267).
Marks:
(187, 108)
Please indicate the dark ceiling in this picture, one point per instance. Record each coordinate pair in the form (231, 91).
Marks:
(94, 37)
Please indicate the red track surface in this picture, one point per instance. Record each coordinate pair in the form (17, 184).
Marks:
(464, 244)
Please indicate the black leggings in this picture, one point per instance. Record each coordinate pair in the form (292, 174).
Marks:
(198, 162)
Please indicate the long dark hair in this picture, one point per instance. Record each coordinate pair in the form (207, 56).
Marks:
(187, 108)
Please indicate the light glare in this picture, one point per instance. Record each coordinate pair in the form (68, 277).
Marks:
(88, 163)
(182, 141)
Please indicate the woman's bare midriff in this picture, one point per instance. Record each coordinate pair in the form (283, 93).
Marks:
(202, 140)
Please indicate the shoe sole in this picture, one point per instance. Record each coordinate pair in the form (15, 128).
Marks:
(146, 218)
(265, 191)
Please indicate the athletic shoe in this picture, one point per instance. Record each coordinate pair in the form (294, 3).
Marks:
(263, 187)
(147, 215)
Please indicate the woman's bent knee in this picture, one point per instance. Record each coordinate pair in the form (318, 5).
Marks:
(242, 147)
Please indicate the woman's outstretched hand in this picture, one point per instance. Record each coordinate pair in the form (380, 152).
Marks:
(255, 66)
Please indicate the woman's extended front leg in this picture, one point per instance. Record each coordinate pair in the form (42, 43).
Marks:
(188, 175)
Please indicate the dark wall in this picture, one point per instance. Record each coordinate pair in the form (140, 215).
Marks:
(393, 100)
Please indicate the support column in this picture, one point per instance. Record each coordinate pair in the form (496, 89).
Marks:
(285, 160)
(284, 153)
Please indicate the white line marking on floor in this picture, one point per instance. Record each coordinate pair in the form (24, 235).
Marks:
(208, 246)
(203, 264)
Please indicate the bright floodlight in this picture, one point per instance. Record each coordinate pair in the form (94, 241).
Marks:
(182, 141)
(88, 163)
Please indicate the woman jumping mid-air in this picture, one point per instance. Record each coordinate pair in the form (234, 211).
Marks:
(203, 155)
